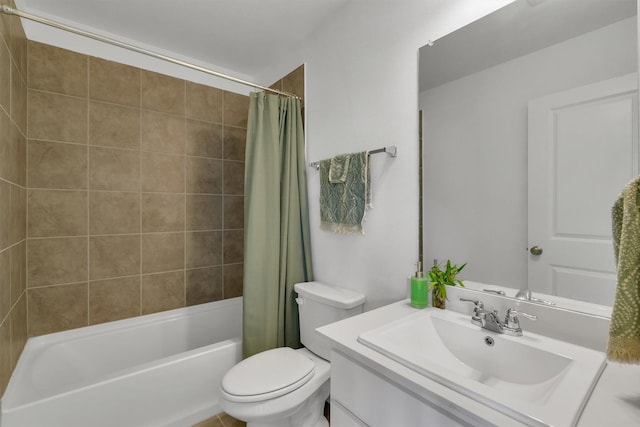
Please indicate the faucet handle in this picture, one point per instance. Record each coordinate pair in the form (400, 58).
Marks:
(478, 304)
(475, 301)
(511, 319)
(513, 313)
(478, 310)
(512, 324)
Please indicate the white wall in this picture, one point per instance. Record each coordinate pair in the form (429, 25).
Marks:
(476, 200)
(362, 93)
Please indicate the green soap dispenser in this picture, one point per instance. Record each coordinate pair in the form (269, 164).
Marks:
(419, 286)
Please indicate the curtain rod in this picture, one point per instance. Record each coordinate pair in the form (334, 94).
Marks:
(11, 11)
(391, 150)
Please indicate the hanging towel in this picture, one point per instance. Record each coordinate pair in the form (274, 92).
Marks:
(624, 332)
(339, 168)
(343, 204)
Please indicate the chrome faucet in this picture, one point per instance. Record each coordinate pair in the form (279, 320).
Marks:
(489, 319)
(526, 295)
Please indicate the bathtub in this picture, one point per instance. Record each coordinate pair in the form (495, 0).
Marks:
(162, 369)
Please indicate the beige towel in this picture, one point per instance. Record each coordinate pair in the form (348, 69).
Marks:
(624, 332)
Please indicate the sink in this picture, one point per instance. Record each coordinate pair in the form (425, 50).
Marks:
(534, 379)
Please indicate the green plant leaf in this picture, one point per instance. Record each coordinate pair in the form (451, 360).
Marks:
(440, 278)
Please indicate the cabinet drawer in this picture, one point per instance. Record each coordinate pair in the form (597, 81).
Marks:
(378, 402)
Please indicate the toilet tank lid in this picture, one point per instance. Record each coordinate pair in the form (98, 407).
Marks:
(330, 295)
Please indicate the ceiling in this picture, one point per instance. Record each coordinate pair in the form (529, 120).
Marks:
(519, 28)
(244, 36)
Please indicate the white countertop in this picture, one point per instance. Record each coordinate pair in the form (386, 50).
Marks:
(615, 401)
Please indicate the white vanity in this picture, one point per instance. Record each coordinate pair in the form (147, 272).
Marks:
(400, 366)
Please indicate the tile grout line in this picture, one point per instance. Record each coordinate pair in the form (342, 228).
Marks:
(223, 195)
(88, 133)
(26, 202)
(184, 187)
(140, 131)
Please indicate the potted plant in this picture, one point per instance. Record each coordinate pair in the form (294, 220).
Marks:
(440, 279)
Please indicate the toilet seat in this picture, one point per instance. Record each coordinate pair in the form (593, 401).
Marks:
(267, 375)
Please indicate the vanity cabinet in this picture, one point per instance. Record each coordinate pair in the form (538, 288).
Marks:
(361, 397)
(340, 416)
(370, 389)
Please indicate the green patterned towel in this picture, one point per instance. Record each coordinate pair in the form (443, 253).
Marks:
(339, 168)
(343, 204)
(624, 332)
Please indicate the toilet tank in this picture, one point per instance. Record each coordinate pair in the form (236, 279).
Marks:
(319, 305)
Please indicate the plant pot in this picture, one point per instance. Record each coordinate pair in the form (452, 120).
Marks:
(437, 300)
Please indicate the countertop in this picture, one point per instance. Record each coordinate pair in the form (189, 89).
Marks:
(614, 402)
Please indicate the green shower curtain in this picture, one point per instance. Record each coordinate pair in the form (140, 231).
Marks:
(277, 250)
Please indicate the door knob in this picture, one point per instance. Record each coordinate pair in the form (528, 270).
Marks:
(536, 250)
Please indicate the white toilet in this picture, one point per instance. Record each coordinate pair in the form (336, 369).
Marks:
(284, 387)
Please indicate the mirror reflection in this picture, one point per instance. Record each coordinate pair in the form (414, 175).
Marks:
(529, 130)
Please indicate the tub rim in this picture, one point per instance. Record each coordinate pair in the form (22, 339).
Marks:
(117, 325)
(133, 370)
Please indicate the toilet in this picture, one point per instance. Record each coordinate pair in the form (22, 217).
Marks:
(284, 387)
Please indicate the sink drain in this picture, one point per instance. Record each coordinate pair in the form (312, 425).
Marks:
(489, 341)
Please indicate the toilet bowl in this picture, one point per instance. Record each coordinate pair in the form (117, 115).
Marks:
(292, 400)
(284, 387)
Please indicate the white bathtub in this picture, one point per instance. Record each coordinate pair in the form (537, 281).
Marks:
(162, 369)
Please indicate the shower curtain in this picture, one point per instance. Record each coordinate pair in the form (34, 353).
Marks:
(277, 250)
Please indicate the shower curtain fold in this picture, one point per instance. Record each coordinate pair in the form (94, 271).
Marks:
(277, 249)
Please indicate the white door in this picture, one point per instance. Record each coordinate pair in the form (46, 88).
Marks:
(583, 149)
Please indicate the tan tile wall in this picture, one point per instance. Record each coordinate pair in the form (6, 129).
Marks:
(13, 120)
(292, 83)
(134, 190)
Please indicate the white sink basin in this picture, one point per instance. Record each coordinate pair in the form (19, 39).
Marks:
(534, 379)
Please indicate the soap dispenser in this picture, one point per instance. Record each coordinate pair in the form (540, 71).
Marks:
(419, 286)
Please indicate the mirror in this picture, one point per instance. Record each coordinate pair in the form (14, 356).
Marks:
(480, 88)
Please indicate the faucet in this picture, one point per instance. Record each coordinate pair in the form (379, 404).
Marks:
(526, 295)
(489, 319)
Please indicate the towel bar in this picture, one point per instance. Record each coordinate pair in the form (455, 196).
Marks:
(391, 150)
